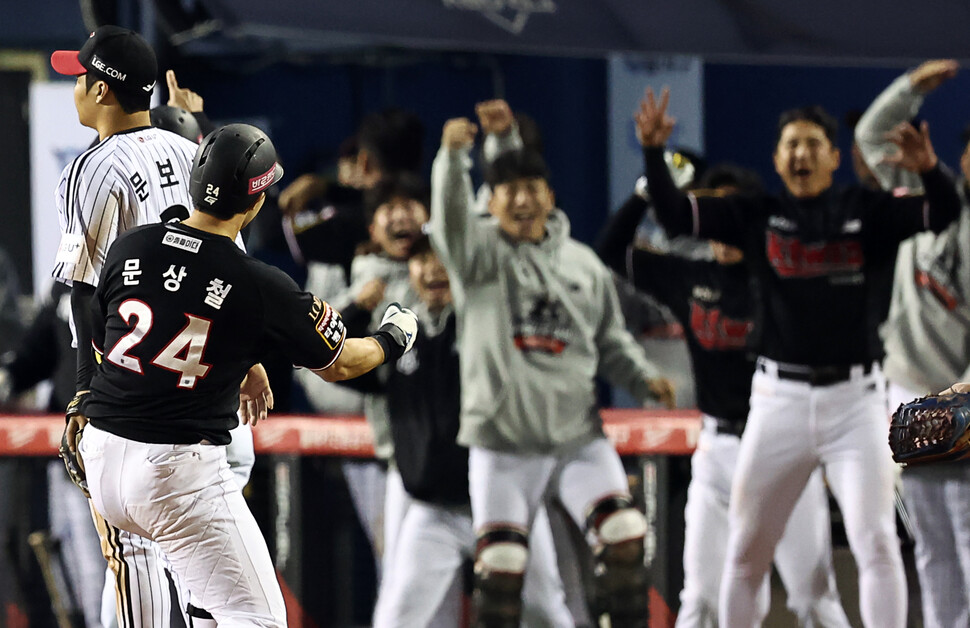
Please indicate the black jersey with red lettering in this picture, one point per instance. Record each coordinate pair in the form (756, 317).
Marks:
(713, 302)
(180, 316)
(823, 265)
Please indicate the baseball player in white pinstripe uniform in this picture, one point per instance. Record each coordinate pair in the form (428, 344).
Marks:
(135, 175)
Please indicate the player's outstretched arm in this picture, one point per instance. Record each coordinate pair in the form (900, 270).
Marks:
(359, 356)
(394, 338)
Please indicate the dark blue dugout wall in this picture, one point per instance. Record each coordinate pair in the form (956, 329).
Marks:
(743, 102)
(312, 108)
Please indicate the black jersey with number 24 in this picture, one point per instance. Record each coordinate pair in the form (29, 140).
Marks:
(180, 316)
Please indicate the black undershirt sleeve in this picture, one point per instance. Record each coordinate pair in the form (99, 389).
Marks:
(942, 197)
(82, 295)
(36, 358)
(619, 232)
(357, 320)
(673, 209)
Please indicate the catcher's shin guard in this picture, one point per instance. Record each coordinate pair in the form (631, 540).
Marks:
(500, 560)
(622, 579)
(931, 429)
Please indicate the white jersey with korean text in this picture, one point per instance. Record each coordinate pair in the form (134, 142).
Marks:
(129, 179)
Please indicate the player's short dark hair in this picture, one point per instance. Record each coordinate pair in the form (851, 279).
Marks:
(394, 138)
(401, 185)
(719, 175)
(421, 246)
(516, 164)
(815, 114)
(130, 101)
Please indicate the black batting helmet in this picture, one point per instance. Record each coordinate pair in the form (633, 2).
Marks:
(233, 166)
(176, 120)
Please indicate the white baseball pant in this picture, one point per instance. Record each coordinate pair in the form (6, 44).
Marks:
(70, 522)
(137, 592)
(433, 543)
(803, 556)
(793, 428)
(186, 499)
(937, 498)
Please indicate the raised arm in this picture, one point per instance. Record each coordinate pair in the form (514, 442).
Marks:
(617, 236)
(679, 214)
(653, 273)
(898, 103)
(498, 125)
(457, 234)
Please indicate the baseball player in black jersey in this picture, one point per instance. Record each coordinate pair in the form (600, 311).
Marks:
(134, 174)
(714, 303)
(180, 317)
(822, 257)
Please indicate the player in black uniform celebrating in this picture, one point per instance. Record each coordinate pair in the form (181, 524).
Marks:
(714, 303)
(823, 260)
(180, 316)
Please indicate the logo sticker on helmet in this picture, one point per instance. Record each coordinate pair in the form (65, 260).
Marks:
(263, 181)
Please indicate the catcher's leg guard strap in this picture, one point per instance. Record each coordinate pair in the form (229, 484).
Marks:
(500, 562)
(621, 575)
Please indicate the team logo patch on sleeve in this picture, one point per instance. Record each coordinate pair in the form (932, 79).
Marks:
(330, 326)
(71, 249)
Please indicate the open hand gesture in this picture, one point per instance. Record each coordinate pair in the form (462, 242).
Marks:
(915, 149)
(653, 124)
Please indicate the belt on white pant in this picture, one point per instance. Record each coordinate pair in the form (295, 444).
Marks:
(815, 375)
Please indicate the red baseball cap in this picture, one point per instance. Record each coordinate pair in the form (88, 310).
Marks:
(118, 56)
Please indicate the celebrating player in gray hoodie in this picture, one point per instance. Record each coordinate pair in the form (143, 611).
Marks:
(927, 341)
(538, 320)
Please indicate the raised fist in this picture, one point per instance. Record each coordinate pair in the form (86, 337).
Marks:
(495, 116)
(458, 133)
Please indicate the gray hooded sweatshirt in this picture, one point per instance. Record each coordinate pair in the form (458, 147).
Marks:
(927, 332)
(536, 324)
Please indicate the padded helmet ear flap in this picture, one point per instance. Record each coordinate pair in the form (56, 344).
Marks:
(233, 166)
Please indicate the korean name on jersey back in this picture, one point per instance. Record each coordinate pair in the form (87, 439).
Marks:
(127, 180)
(180, 317)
